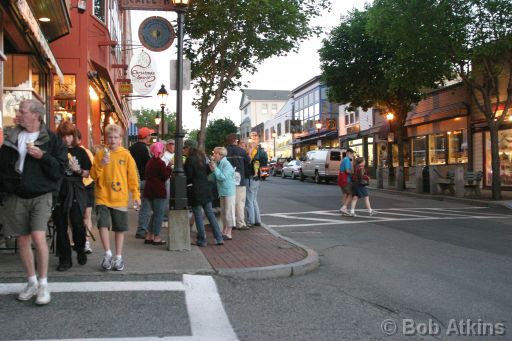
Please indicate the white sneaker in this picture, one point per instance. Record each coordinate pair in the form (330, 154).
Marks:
(165, 224)
(87, 247)
(29, 292)
(344, 211)
(373, 212)
(43, 295)
(106, 263)
(118, 264)
(352, 214)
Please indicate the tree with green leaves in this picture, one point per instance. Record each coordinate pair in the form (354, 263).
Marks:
(228, 38)
(216, 132)
(364, 71)
(473, 36)
(146, 118)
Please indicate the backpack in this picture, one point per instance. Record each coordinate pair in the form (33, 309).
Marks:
(262, 157)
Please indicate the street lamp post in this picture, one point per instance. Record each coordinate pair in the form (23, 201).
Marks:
(179, 233)
(162, 95)
(390, 116)
(318, 126)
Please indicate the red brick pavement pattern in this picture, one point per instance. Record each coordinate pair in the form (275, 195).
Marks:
(251, 248)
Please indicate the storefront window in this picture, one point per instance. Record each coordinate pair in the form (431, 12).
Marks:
(437, 149)
(65, 99)
(457, 147)
(505, 152)
(419, 151)
(99, 9)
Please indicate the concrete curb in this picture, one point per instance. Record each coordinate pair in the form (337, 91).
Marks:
(309, 263)
(474, 202)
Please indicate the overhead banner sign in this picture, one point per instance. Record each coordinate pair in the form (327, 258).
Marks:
(142, 73)
(147, 5)
(156, 34)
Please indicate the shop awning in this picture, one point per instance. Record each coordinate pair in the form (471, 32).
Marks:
(120, 107)
(317, 136)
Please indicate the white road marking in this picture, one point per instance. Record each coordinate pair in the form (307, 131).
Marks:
(208, 319)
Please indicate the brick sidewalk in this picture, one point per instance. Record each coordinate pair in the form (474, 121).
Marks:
(250, 248)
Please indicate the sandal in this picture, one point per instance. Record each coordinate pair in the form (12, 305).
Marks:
(160, 242)
(148, 241)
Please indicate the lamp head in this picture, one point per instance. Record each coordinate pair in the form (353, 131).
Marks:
(181, 3)
(318, 125)
(390, 116)
(158, 119)
(162, 94)
(274, 135)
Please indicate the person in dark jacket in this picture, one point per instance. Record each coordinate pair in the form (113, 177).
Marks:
(240, 160)
(32, 162)
(140, 153)
(199, 194)
(72, 199)
(157, 173)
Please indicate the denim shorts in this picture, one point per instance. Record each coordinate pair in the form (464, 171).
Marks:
(106, 214)
(26, 215)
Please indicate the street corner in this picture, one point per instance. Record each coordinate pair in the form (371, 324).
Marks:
(260, 253)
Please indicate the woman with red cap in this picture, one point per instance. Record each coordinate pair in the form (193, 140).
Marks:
(154, 191)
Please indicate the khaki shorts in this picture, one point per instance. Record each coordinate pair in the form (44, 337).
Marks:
(119, 218)
(23, 216)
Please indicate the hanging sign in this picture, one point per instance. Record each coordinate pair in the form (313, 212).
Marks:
(156, 34)
(142, 73)
(147, 5)
(125, 88)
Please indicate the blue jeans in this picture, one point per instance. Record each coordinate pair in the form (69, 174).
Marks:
(155, 223)
(144, 211)
(251, 202)
(198, 216)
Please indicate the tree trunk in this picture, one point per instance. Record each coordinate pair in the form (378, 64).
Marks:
(202, 130)
(400, 176)
(495, 163)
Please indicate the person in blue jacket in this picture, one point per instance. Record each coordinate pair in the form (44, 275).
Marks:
(224, 175)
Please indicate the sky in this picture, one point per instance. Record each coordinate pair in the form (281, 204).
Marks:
(277, 73)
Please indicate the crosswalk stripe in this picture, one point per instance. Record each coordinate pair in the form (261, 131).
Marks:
(208, 319)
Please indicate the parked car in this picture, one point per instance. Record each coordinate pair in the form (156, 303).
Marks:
(321, 164)
(291, 169)
(278, 165)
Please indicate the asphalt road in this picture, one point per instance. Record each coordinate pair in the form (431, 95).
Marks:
(422, 266)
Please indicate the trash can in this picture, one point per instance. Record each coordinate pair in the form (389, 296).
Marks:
(425, 174)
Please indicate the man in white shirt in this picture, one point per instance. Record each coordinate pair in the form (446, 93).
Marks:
(168, 157)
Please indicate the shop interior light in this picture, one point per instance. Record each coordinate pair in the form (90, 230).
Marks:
(510, 118)
(94, 96)
(44, 19)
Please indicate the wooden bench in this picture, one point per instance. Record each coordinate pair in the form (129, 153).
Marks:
(472, 182)
(447, 183)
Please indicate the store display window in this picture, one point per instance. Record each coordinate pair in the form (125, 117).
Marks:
(419, 151)
(437, 149)
(505, 152)
(65, 99)
(457, 147)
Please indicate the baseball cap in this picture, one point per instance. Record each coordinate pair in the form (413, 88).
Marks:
(170, 141)
(145, 131)
(350, 150)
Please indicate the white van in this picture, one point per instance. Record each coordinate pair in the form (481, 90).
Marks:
(322, 164)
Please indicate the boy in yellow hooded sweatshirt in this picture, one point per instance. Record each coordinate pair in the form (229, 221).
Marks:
(115, 174)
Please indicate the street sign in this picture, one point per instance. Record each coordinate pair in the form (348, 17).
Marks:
(187, 74)
(147, 5)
